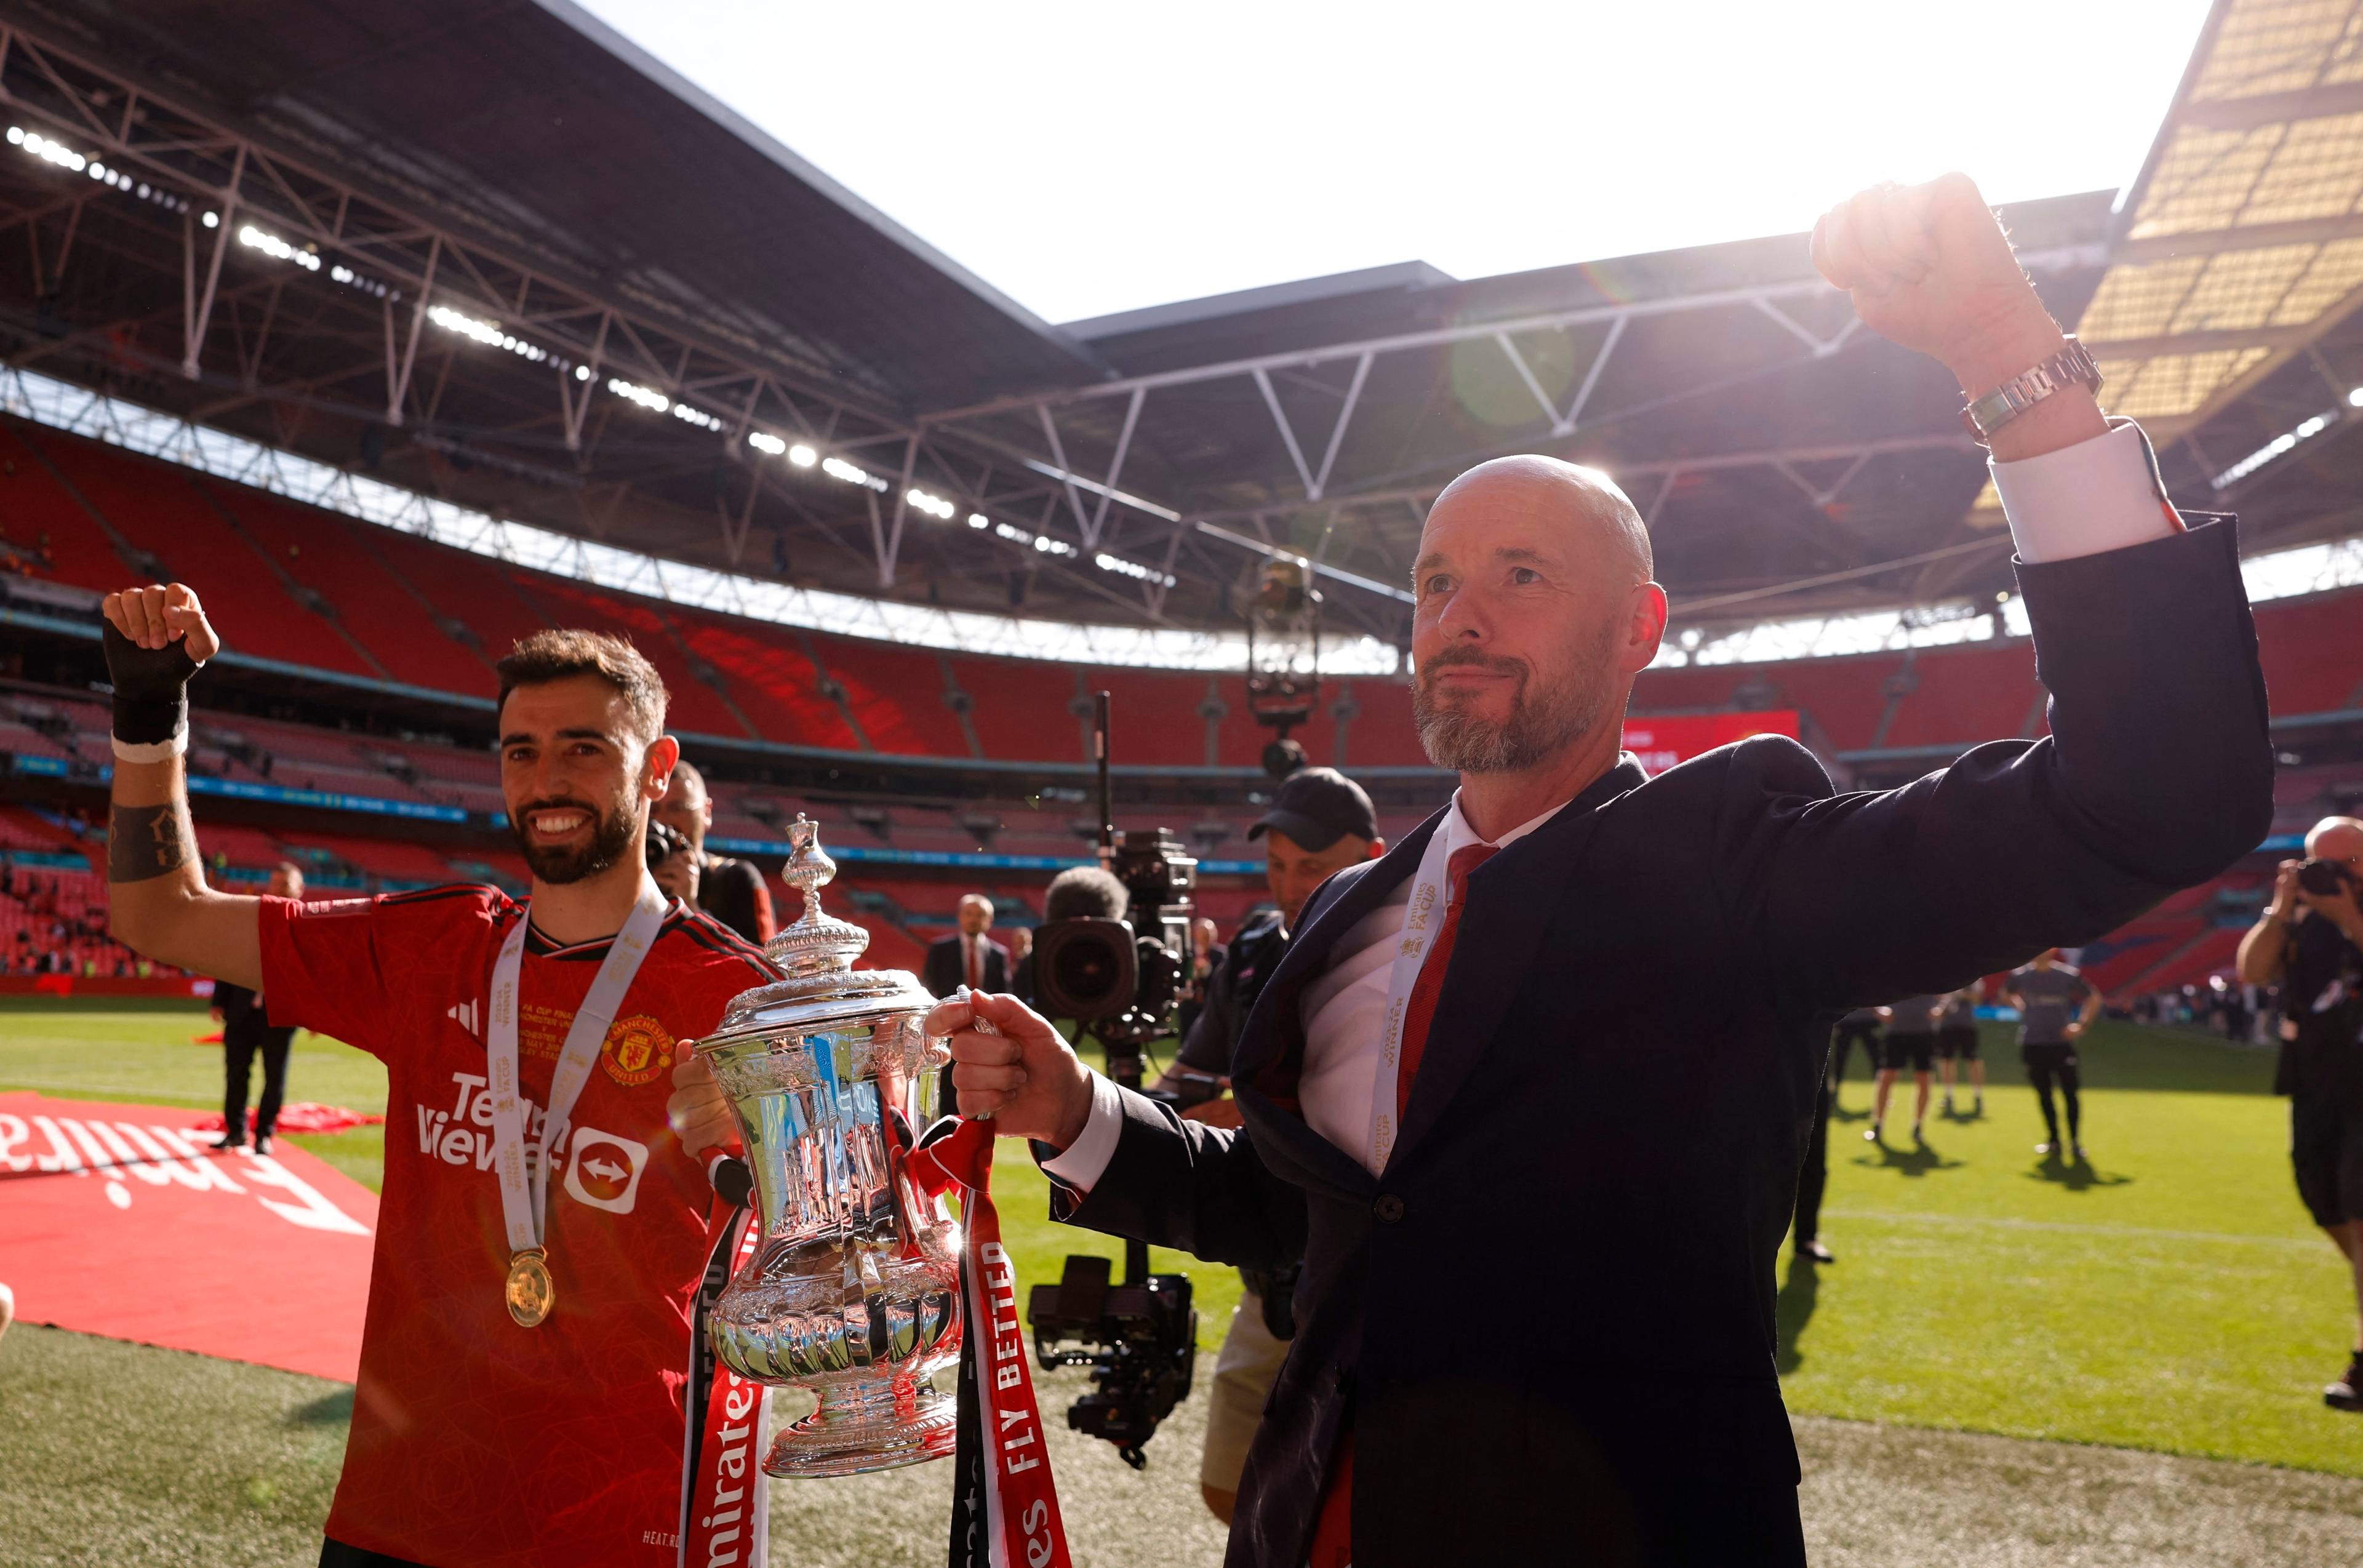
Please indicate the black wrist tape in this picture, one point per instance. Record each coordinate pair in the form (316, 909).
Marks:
(152, 688)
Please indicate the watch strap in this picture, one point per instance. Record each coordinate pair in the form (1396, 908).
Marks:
(2073, 365)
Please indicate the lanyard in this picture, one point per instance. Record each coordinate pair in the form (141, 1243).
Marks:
(523, 1207)
(1423, 918)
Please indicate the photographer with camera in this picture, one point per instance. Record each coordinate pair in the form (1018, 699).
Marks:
(1320, 823)
(2310, 939)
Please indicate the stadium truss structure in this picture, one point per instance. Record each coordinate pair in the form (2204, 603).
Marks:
(294, 244)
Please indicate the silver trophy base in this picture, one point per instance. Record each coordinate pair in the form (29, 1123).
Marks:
(859, 1428)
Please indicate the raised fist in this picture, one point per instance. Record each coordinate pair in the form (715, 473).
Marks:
(1929, 268)
(156, 616)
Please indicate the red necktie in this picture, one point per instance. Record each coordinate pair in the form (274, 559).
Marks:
(1333, 1541)
(975, 946)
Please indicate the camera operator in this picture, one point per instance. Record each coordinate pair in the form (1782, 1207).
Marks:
(1319, 823)
(2310, 939)
(733, 892)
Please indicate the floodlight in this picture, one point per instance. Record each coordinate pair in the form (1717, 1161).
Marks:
(763, 441)
(212, 220)
(15, 136)
(803, 456)
(978, 520)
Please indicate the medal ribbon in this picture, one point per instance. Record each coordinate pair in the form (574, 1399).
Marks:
(524, 1190)
(1022, 1527)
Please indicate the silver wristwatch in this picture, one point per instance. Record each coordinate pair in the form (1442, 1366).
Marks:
(2071, 366)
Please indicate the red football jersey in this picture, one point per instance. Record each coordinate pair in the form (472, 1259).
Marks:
(474, 1440)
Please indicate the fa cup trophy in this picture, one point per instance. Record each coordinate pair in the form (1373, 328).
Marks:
(853, 1288)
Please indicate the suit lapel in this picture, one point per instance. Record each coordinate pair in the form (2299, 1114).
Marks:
(1511, 899)
(1261, 1043)
(1270, 1050)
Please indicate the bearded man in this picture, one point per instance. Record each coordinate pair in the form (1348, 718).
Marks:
(1529, 1092)
(542, 1234)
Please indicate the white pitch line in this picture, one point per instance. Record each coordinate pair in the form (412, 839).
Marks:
(2130, 1230)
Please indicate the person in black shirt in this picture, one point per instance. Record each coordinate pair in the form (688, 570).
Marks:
(2313, 944)
(1911, 1041)
(247, 1030)
(1957, 1041)
(733, 892)
(1320, 822)
(1857, 1028)
(2054, 1006)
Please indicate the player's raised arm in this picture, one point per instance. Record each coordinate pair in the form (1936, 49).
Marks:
(158, 903)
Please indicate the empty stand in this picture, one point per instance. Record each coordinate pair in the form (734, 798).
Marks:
(695, 706)
(467, 589)
(158, 508)
(1021, 711)
(316, 548)
(45, 528)
(896, 694)
(2313, 652)
(1981, 693)
(771, 679)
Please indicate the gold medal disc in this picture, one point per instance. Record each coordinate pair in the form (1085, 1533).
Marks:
(530, 1292)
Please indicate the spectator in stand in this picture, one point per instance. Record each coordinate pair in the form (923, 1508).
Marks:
(2313, 944)
(969, 956)
(733, 892)
(247, 1029)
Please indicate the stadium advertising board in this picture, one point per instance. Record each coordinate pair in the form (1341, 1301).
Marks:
(1662, 741)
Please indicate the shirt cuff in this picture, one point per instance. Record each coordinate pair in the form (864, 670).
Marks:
(2099, 495)
(1086, 1160)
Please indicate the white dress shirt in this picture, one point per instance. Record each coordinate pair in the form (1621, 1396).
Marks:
(2097, 496)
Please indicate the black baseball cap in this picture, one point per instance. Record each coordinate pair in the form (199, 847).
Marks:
(1316, 806)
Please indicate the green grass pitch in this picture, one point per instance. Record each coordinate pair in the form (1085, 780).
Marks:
(2168, 1294)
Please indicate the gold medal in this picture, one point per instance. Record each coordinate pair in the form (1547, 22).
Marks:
(530, 1292)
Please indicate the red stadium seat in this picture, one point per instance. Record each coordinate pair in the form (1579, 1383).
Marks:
(158, 508)
(2313, 652)
(695, 706)
(1968, 694)
(467, 588)
(319, 549)
(45, 529)
(897, 695)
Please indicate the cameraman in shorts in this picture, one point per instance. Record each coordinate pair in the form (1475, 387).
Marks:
(2310, 939)
(1320, 822)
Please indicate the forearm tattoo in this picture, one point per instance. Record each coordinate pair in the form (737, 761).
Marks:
(145, 841)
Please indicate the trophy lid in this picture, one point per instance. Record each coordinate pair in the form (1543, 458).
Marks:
(814, 955)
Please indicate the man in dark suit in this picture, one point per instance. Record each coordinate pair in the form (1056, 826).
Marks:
(248, 1032)
(970, 956)
(1530, 1093)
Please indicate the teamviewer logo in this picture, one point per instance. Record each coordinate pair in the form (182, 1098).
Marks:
(606, 1170)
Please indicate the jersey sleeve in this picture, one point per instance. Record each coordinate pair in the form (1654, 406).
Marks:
(333, 965)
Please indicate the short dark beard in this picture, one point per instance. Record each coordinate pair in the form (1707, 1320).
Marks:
(1558, 716)
(614, 835)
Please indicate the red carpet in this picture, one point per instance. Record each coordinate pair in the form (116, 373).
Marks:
(117, 1220)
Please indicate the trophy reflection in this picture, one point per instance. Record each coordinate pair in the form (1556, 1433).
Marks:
(853, 1288)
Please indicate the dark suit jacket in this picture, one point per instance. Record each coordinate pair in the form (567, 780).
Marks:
(1549, 1321)
(944, 974)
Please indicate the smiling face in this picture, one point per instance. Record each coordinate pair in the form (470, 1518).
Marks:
(1535, 610)
(578, 776)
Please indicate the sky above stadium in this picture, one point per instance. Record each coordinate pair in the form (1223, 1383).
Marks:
(1092, 158)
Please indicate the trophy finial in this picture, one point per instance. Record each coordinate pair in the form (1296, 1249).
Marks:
(817, 943)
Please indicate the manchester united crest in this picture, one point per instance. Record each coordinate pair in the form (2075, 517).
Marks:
(637, 1049)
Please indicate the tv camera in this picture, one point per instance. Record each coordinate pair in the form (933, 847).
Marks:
(1125, 979)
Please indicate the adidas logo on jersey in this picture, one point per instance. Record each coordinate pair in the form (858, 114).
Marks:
(464, 1015)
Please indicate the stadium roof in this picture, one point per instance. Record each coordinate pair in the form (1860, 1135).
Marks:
(502, 258)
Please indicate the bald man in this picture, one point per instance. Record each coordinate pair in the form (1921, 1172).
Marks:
(1530, 1091)
(969, 956)
(2311, 941)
